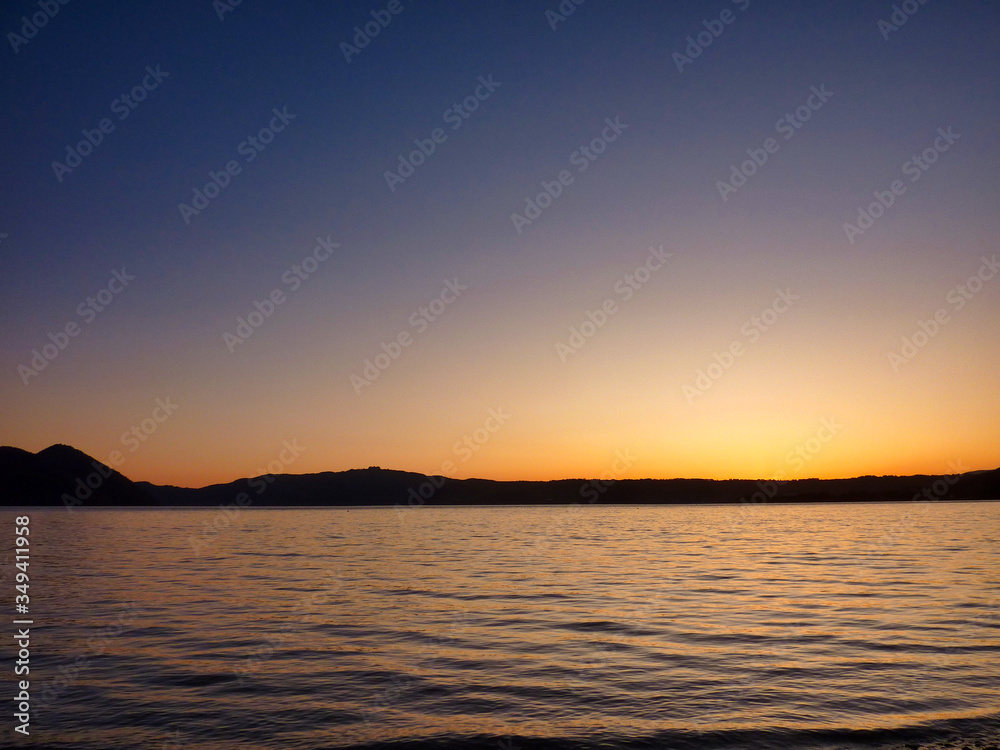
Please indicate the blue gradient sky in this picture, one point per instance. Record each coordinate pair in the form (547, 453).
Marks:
(495, 346)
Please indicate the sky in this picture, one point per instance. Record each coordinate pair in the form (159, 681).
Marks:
(508, 240)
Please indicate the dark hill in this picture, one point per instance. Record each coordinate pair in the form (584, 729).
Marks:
(62, 475)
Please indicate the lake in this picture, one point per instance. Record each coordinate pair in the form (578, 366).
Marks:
(757, 626)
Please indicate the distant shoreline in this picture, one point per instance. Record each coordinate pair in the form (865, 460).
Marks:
(63, 476)
(15, 508)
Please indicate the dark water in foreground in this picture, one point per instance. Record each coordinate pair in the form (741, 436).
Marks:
(648, 627)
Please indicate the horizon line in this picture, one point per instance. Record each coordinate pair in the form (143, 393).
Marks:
(603, 479)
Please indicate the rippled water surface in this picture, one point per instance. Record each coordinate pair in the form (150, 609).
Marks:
(682, 626)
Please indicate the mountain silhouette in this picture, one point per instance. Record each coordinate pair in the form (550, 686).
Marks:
(62, 475)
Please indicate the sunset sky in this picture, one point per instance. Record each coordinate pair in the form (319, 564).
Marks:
(484, 302)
